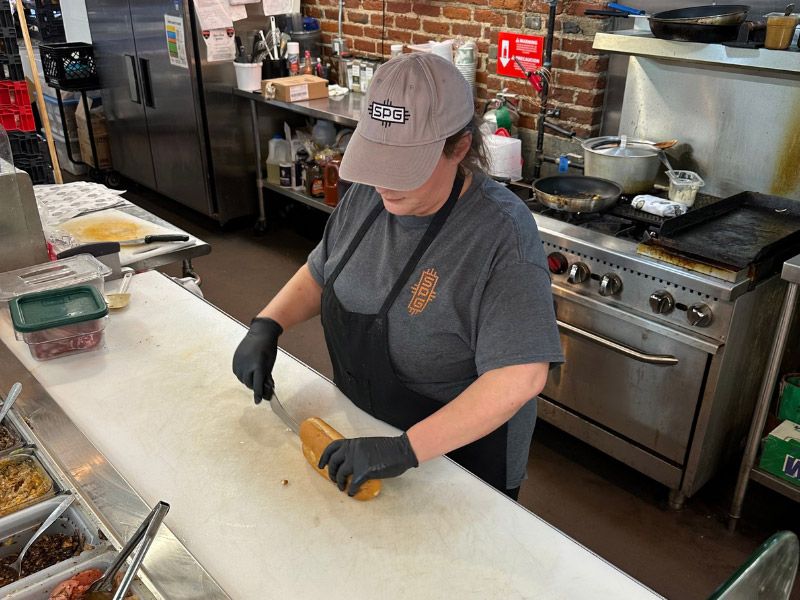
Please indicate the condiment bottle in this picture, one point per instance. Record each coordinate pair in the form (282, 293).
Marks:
(308, 69)
(300, 160)
(293, 57)
(330, 182)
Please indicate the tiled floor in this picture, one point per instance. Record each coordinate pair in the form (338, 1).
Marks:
(613, 510)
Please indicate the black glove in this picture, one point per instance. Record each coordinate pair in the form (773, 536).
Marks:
(255, 357)
(367, 458)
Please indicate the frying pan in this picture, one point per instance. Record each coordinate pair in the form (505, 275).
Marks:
(708, 24)
(576, 193)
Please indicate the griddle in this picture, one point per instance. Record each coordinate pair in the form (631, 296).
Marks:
(750, 232)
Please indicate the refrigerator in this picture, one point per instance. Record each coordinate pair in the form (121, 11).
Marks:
(176, 129)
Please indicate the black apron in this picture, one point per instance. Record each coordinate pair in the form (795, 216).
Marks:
(362, 368)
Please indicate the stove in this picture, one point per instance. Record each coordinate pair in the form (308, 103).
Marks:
(663, 358)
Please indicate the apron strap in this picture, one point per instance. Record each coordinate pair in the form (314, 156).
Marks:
(427, 239)
(356, 241)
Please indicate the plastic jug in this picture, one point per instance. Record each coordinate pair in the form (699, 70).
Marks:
(279, 152)
(330, 181)
(324, 133)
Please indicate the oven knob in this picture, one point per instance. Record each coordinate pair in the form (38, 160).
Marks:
(699, 315)
(662, 302)
(557, 263)
(610, 284)
(578, 273)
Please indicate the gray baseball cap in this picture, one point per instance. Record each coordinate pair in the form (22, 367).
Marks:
(414, 103)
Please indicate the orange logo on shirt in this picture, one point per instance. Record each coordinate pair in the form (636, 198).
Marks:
(423, 292)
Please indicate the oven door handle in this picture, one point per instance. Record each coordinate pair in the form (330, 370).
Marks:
(651, 359)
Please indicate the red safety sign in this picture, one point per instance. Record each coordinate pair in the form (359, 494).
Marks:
(527, 49)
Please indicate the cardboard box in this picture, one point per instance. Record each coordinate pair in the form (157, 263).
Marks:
(781, 452)
(297, 88)
(789, 408)
(100, 132)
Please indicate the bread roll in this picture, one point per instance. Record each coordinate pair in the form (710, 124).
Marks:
(316, 434)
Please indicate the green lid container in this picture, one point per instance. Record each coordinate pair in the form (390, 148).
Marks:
(56, 308)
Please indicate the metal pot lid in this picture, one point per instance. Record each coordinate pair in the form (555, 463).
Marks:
(612, 145)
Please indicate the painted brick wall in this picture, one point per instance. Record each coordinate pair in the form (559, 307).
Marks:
(579, 72)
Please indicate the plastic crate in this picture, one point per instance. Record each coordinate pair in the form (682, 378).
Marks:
(69, 66)
(36, 167)
(23, 142)
(46, 24)
(17, 119)
(43, 4)
(8, 41)
(6, 16)
(11, 68)
(14, 93)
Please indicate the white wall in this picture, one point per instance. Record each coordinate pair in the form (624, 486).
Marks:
(76, 22)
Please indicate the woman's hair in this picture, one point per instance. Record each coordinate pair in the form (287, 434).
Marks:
(475, 159)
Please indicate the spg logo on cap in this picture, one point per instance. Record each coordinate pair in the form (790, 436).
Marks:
(388, 114)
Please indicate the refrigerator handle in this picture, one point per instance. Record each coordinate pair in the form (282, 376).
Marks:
(133, 79)
(147, 86)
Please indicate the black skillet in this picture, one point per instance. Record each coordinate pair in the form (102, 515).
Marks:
(576, 193)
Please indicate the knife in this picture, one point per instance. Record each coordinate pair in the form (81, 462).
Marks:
(149, 239)
(315, 435)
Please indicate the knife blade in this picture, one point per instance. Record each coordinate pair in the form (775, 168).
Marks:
(149, 239)
(279, 410)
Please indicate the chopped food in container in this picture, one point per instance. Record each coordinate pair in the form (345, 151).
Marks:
(22, 481)
(60, 322)
(9, 438)
(46, 551)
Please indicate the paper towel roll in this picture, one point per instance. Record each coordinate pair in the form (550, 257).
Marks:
(443, 49)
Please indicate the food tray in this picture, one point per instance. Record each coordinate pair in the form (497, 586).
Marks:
(40, 590)
(20, 456)
(12, 429)
(19, 531)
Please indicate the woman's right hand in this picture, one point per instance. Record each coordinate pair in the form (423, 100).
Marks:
(255, 357)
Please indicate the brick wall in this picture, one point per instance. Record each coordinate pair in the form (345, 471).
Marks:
(579, 73)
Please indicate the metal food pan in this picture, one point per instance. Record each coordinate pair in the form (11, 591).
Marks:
(21, 455)
(71, 522)
(28, 520)
(41, 589)
(14, 431)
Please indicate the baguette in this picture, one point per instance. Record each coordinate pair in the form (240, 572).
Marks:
(316, 434)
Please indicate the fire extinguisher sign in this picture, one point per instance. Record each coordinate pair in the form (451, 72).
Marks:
(527, 49)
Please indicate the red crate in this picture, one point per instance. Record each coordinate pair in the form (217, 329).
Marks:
(17, 118)
(14, 93)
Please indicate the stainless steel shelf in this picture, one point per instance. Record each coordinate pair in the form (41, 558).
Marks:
(299, 196)
(641, 43)
(344, 111)
(775, 484)
(791, 270)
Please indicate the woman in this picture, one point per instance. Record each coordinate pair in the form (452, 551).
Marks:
(432, 288)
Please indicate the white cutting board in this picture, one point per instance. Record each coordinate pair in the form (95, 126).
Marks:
(116, 226)
(161, 403)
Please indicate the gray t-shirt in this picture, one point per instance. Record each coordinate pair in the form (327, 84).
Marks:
(478, 300)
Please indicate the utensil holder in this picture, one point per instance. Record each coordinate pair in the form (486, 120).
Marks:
(272, 69)
(248, 76)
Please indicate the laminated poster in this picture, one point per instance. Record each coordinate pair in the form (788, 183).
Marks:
(176, 42)
(213, 14)
(220, 44)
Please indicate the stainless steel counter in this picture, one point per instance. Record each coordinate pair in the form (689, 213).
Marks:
(791, 270)
(159, 403)
(343, 111)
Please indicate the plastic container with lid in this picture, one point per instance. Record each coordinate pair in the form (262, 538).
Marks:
(83, 269)
(60, 322)
(683, 186)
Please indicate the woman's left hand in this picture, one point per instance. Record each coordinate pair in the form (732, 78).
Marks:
(367, 458)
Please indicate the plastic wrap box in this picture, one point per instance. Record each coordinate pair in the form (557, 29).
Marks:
(780, 454)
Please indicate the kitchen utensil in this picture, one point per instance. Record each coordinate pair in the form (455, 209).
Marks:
(666, 144)
(279, 410)
(633, 164)
(662, 156)
(149, 239)
(11, 397)
(276, 35)
(120, 299)
(789, 10)
(17, 564)
(576, 193)
(145, 534)
(240, 55)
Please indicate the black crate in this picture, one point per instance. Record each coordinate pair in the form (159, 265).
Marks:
(24, 143)
(6, 16)
(43, 4)
(36, 167)
(8, 44)
(69, 66)
(11, 67)
(46, 25)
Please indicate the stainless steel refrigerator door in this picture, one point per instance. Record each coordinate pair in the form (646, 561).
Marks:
(115, 52)
(171, 99)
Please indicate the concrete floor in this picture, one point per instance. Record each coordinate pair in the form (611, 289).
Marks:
(611, 509)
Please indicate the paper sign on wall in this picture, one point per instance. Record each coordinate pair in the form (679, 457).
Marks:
(278, 7)
(213, 14)
(527, 49)
(176, 43)
(220, 45)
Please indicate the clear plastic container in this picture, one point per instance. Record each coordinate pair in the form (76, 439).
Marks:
(683, 186)
(83, 269)
(60, 322)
